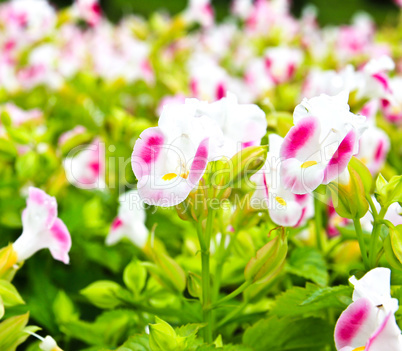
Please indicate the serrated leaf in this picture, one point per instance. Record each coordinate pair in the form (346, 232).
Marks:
(311, 301)
(136, 343)
(282, 334)
(308, 263)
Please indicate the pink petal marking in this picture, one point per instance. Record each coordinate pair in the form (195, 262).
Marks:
(61, 244)
(200, 162)
(298, 136)
(304, 210)
(382, 79)
(117, 223)
(351, 322)
(37, 195)
(194, 87)
(247, 144)
(146, 151)
(341, 158)
(220, 91)
(379, 154)
(266, 188)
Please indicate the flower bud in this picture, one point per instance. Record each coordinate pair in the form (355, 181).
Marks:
(349, 199)
(194, 285)
(162, 337)
(264, 266)
(247, 162)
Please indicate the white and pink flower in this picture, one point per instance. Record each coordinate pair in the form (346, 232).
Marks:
(42, 228)
(200, 11)
(169, 160)
(130, 221)
(282, 63)
(318, 148)
(85, 166)
(242, 125)
(88, 10)
(285, 208)
(369, 322)
(374, 143)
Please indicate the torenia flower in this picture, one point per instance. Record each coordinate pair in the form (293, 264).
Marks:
(200, 11)
(130, 221)
(208, 81)
(369, 323)
(169, 160)
(392, 108)
(285, 208)
(374, 143)
(373, 80)
(242, 125)
(89, 10)
(42, 228)
(85, 167)
(318, 148)
(282, 62)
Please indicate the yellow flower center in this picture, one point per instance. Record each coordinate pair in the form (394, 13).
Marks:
(308, 164)
(170, 176)
(280, 200)
(359, 349)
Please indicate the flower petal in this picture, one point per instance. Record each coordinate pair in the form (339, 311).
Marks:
(301, 142)
(356, 324)
(386, 337)
(341, 158)
(59, 241)
(146, 151)
(298, 179)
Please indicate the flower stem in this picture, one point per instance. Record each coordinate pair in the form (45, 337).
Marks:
(378, 217)
(233, 294)
(363, 250)
(206, 284)
(318, 223)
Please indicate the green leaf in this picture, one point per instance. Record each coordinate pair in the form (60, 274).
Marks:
(312, 300)
(282, 334)
(307, 262)
(9, 294)
(387, 193)
(12, 332)
(103, 294)
(63, 308)
(393, 247)
(109, 330)
(136, 343)
(135, 276)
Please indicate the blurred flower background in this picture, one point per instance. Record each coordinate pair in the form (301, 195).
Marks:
(83, 94)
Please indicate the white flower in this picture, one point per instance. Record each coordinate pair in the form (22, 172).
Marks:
(130, 221)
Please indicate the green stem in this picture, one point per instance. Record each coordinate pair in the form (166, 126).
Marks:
(375, 234)
(318, 224)
(232, 314)
(233, 294)
(206, 284)
(363, 250)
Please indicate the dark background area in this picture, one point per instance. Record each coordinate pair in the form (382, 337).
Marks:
(330, 11)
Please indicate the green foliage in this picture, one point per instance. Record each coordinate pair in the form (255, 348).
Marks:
(312, 300)
(308, 263)
(282, 334)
